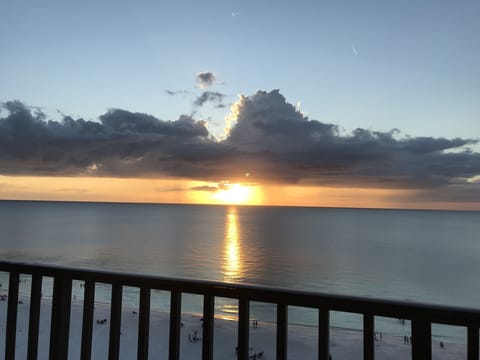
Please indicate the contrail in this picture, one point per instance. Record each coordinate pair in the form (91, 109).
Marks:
(354, 50)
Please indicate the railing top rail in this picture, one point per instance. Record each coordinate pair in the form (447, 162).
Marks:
(362, 305)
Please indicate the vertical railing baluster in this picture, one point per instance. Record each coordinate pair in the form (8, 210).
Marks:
(473, 342)
(421, 327)
(34, 317)
(421, 339)
(175, 317)
(323, 334)
(12, 310)
(60, 323)
(243, 328)
(115, 322)
(87, 322)
(207, 335)
(143, 323)
(282, 331)
(368, 337)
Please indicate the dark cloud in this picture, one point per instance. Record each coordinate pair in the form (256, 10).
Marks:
(205, 79)
(270, 139)
(287, 146)
(210, 96)
(121, 144)
(177, 92)
(205, 188)
(223, 185)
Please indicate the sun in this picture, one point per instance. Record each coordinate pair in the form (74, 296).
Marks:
(234, 194)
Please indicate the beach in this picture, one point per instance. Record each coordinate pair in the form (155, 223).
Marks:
(302, 340)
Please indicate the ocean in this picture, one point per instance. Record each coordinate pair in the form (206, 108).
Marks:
(421, 256)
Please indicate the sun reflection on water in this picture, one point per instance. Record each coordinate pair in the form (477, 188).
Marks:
(232, 258)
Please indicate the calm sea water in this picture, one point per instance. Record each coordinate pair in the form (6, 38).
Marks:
(426, 256)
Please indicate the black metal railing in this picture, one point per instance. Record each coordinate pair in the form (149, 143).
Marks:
(421, 315)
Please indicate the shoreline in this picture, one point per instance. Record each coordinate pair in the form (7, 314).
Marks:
(453, 335)
(344, 344)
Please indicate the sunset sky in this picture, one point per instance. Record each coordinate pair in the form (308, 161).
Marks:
(310, 103)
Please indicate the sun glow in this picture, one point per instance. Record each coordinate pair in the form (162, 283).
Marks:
(234, 194)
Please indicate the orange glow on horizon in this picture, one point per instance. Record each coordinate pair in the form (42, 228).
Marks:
(181, 191)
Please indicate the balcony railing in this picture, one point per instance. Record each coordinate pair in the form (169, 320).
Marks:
(422, 316)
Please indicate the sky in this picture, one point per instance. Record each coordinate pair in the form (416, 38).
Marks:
(310, 103)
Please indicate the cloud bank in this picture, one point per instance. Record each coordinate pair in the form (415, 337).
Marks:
(270, 139)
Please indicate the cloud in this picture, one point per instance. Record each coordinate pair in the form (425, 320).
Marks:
(122, 143)
(205, 79)
(205, 188)
(210, 96)
(177, 92)
(169, 189)
(288, 147)
(269, 139)
(223, 185)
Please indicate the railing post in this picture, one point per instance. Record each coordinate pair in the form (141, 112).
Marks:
(87, 322)
(115, 322)
(143, 323)
(421, 340)
(323, 334)
(473, 343)
(282, 331)
(368, 337)
(34, 318)
(243, 328)
(60, 323)
(175, 314)
(421, 326)
(207, 335)
(12, 309)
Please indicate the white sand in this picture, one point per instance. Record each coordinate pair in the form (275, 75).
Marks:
(344, 344)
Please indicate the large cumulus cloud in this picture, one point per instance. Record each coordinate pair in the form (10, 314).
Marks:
(268, 138)
(292, 147)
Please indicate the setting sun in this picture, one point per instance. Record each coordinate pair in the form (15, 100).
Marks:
(234, 194)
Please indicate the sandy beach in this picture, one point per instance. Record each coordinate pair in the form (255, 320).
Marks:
(344, 344)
